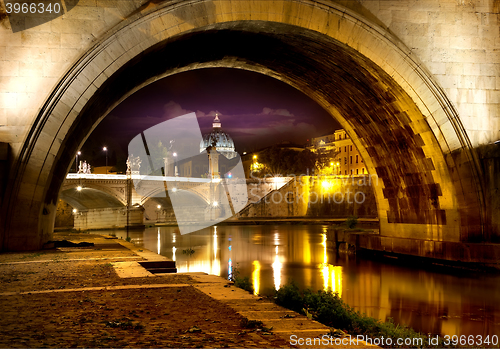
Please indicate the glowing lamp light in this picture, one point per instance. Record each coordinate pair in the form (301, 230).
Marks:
(174, 189)
(326, 184)
(215, 203)
(255, 156)
(174, 154)
(158, 207)
(75, 210)
(229, 175)
(79, 188)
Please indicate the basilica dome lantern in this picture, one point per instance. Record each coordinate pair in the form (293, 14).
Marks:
(223, 142)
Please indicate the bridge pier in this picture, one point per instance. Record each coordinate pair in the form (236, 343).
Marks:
(109, 218)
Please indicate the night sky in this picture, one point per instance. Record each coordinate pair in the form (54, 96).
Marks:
(255, 110)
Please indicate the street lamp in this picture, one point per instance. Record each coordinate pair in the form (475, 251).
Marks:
(175, 164)
(76, 164)
(106, 150)
(158, 213)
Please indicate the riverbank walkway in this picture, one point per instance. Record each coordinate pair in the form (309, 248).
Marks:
(99, 296)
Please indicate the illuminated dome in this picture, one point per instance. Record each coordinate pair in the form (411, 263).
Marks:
(223, 142)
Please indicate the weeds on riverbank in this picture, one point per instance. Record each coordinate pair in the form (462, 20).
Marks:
(242, 282)
(329, 309)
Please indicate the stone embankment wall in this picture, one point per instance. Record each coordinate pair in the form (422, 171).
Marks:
(318, 196)
(108, 218)
(490, 161)
(64, 215)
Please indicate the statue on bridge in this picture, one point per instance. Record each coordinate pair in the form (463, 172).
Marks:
(133, 164)
(84, 168)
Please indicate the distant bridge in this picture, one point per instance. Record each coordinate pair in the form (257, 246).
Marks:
(101, 200)
(116, 186)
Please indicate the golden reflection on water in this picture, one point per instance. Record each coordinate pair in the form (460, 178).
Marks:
(256, 277)
(271, 256)
(330, 272)
(159, 242)
(216, 261)
(277, 265)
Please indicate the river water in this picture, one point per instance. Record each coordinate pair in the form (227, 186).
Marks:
(437, 301)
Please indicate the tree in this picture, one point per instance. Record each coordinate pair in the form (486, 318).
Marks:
(285, 161)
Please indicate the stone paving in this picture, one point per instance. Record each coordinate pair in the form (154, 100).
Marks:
(98, 297)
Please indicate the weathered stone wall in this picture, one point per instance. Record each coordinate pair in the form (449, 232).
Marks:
(108, 218)
(490, 159)
(4, 168)
(343, 197)
(458, 42)
(64, 215)
(322, 197)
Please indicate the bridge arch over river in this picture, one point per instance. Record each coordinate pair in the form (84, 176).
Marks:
(414, 83)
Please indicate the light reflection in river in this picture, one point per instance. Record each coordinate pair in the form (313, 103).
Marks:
(256, 277)
(437, 301)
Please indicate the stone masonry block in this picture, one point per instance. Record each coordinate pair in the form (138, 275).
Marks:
(489, 69)
(454, 69)
(8, 100)
(319, 20)
(9, 68)
(305, 15)
(61, 55)
(461, 42)
(492, 97)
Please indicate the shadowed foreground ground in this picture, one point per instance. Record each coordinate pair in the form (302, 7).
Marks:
(70, 314)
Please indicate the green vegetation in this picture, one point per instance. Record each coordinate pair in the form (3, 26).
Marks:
(351, 222)
(242, 282)
(128, 239)
(189, 251)
(286, 161)
(329, 309)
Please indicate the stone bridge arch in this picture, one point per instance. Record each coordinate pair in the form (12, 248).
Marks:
(399, 117)
(116, 190)
(201, 191)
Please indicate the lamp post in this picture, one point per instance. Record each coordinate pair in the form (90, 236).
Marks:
(76, 164)
(106, 151)
(175, 164)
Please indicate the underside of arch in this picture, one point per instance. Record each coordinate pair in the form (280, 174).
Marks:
(89, 198)
(416, 197)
